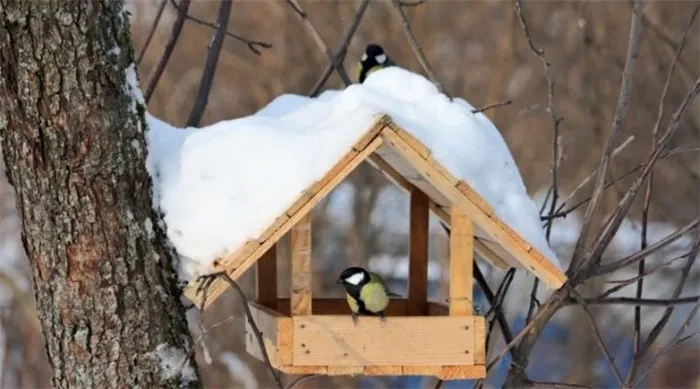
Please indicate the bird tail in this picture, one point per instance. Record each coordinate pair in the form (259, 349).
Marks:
(392, 294)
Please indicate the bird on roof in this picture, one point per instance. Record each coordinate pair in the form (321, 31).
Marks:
(374, 58)
(366, 292)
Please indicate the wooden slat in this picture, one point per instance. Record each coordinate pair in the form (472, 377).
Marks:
(345, 370)
(377, 127)
(461, 263)
(390, 370)
(293, 369)
(273, 227)
(236, 265)
(300, 269)
(422, 370)
(411, 340)
(269, 323)
(418, 253)
(479, 201)
(417, 145)
(462, 372)
(249, 247)
(531, 258)
(479, 340)
(339, 306)
(266, 278)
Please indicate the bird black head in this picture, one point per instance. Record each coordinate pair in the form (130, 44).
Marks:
(373, 57)
(354, 276)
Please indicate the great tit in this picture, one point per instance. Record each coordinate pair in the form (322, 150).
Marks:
(366, 292)
(373, 59)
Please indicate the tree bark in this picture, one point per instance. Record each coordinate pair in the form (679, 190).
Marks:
(72, 131)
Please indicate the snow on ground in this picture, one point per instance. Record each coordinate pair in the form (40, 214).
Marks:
(225, 183)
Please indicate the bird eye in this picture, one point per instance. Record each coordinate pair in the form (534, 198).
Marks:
(381, 58)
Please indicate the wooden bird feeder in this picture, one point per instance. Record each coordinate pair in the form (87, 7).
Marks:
(304, 335)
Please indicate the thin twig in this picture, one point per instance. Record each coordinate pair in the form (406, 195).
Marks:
(620, 113)
(299, 380)
(406, 26)
(316, 36)
(659, 327)
(596, 332)
(630, 259)
(342, 51)
(551, 385)
(637, 302)
(590, 176)
(152, 31)
(168, 50)
(253, 45)
(637, 339)
(209, 71)
(414, 3)
(254, 327)
(556, 144)
(490, 106)
(612, 225)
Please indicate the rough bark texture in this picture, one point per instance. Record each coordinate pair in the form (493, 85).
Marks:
(73, 142)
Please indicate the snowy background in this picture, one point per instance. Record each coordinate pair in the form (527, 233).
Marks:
(365, 220)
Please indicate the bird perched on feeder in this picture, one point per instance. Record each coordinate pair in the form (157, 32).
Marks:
(373, 59)
(366, 292)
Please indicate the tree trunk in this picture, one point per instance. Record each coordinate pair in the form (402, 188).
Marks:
(72, 134)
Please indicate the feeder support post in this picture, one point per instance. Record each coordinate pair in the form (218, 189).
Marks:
(300, 269)
(461, 262)
(418, 253)
(266, 280)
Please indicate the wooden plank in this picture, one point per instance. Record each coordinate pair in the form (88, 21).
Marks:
(461, 263)
(236, 265)
(339, 306)
(267, 321)
(418, 253)
(389, 370)
(377, 127)
(479, 340)
(249, 247)
(422, 370)
(438, 309)
(417, 145)
(345, 370)
(273, 227)
(302, 370)
(471, 194)
(412, 340)
(266, 278)
(300, 269)
(462, 372)
(530, 257)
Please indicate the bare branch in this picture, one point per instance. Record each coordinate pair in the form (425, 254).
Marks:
(637, 302)
(311, 29)
(299, 380)
(168, 51)
(612, 267)
(490, 106)
(659, 327)
(416, 47)
(253, 45)
(596, 332)
(647, 196)
(209, 71)
(340, 54)
(152, 31)
(620, 113)
(413, 3)
(551, 385)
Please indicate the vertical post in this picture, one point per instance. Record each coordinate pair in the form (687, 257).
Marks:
(266, 280)
(300, 270)
(418, 253)
(461, 262)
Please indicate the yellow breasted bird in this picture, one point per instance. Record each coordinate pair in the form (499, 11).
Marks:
(373, 59)
(366, 292)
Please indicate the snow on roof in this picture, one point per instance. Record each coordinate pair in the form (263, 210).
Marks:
(223, 184)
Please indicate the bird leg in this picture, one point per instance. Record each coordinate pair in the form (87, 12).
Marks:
(382, 318)
(354, 318)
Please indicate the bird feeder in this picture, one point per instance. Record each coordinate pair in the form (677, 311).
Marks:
(307, 335)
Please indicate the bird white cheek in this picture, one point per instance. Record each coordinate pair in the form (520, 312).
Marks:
(364, 57)
(355, 279)
(381, 58)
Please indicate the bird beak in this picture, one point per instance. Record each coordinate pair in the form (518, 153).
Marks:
(338, 281)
